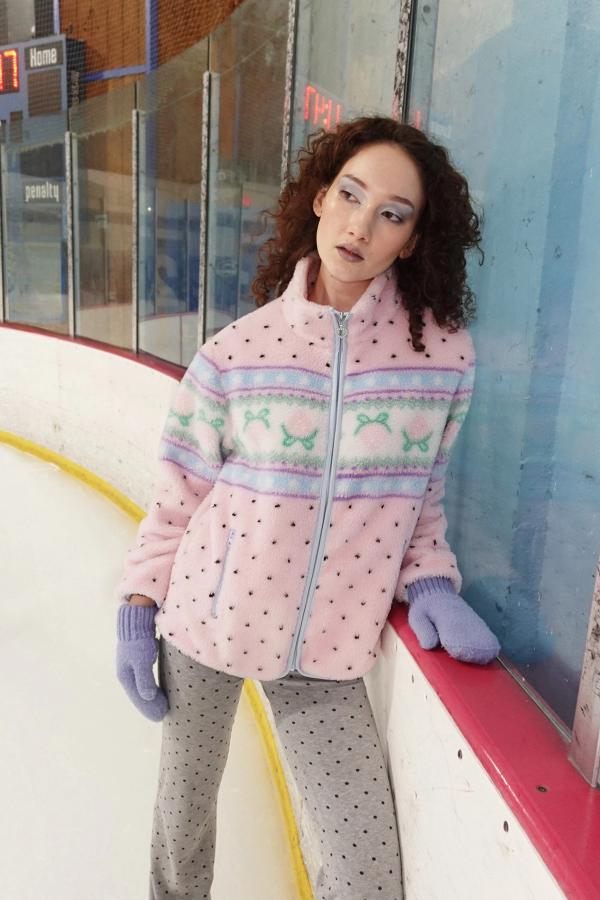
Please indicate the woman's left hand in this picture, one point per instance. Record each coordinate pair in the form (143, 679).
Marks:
(437, 614)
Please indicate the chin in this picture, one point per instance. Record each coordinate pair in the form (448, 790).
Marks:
(340, 269)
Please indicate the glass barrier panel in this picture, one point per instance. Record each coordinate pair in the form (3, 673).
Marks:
(169, 176)
(247, 55)
(102, 208)
(345, 62)
(34, 217)
(514, 96)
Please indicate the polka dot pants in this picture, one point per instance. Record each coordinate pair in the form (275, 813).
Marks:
(330, 739)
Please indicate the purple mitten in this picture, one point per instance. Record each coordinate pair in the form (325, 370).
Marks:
(438, 614)
(137, 649)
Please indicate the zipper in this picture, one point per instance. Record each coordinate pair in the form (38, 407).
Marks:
(340, 322)
(213, 610)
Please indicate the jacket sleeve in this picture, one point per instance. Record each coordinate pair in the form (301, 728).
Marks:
(190, 457)
(428, 553)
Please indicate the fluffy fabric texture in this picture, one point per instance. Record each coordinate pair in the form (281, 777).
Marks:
(302, 475)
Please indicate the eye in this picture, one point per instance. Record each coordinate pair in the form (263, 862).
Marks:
(397, 219)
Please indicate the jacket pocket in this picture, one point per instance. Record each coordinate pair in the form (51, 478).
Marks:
(217, 591)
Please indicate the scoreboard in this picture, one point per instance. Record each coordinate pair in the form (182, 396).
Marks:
(40, 77)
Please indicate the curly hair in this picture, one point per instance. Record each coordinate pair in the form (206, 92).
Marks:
(434, 275)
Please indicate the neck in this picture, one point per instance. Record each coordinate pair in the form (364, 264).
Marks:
(328, 291)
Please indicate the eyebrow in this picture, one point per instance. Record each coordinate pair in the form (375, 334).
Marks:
(392, 196)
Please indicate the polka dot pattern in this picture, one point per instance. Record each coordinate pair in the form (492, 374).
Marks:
(287, 553)
(330, 739)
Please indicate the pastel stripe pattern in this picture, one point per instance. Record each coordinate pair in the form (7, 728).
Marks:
(272, 462)
(195, 424)
(274, 543)
(284, 483)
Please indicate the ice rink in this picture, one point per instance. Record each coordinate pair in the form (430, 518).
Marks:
(79, 762)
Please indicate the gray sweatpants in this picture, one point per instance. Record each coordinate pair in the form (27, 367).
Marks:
(330, 739)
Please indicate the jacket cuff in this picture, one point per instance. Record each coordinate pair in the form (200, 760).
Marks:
(136, 582)
(428, 586)
(135, 621)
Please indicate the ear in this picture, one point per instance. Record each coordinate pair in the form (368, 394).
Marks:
(318, 201)
(409, 247)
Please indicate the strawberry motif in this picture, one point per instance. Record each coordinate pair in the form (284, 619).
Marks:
(417, 434)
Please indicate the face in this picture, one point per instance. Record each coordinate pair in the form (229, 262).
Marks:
(378, 217)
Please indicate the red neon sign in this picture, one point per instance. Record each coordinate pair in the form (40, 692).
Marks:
(320, 107)
(9, 71)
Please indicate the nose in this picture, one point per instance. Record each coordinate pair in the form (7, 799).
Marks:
(360, 223)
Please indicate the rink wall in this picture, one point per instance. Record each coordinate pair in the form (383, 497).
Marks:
(487, 803)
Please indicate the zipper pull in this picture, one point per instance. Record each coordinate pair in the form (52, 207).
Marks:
(342, 323)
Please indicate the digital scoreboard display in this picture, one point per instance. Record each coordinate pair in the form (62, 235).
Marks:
(319, 109)
(41, 77)
(10, 80)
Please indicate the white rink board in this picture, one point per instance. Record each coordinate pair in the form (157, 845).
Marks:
(101, 410)
(450, 813)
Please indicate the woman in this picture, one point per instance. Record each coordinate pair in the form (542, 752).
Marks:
(302, 478)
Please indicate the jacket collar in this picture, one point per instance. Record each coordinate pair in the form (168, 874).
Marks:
(313, 320)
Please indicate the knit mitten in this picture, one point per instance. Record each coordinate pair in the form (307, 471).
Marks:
(137, 650)
(438, 614)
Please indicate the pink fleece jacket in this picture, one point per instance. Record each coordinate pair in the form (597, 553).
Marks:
(302, 468)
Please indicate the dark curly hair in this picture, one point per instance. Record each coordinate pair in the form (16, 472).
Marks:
(434, 274)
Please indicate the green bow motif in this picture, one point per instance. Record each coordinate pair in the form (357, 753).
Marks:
(183, 420)
(215, 423)
(307, 442)
(421, 443)
(249, 416)
(380, 419)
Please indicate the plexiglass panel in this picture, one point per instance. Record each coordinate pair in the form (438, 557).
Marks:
(35, 223)
(246, 133)
(512, 90)
(170, 170)
(345, 62)
(102, 208)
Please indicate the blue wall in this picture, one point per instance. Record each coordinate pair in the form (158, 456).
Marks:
(514, 95)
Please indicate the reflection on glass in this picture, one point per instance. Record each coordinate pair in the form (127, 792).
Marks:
(248, 59)
(514, 96)
(170, 162)
(35, 224)
(102, 201)
(349, 74)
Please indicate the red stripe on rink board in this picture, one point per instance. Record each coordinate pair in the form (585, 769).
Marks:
(520, 749)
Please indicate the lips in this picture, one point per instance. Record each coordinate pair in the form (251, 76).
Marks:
(350, 249)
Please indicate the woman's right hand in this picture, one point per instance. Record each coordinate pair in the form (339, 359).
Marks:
(137, 650)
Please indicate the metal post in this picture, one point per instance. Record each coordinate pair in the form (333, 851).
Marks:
(186, 293)
(407, 9)
(202, 255)
(422, 67)
(288, 102)
(135, 229)
(212, 198)
(72, 248)
(585, 744)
